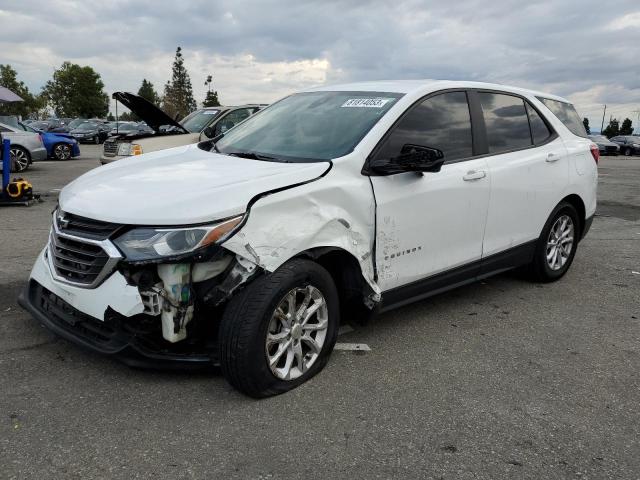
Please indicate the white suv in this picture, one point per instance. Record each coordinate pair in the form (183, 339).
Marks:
(329, 205)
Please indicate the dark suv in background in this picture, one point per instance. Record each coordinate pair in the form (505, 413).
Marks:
(629, 144)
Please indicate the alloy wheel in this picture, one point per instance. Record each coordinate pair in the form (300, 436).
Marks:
(560, 242)
(62, 152)
(296, 332)
(19, 159)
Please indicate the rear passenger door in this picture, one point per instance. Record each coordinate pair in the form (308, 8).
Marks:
(528, 167)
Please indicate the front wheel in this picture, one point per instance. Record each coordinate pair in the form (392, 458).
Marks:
(62, 151)
(96, 140)
(627, 152)
(557, 244)
(280, 330)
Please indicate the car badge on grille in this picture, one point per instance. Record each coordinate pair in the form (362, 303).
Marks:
(62, 222)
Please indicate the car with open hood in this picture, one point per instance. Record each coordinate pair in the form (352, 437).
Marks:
(332, 204)
(166, 132)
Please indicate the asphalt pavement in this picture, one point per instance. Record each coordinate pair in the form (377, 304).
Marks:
(500, 379)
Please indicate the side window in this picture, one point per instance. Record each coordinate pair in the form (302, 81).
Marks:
(232, 119)
(567, 114)
(539, 129)
(441, 122)
(506, 121)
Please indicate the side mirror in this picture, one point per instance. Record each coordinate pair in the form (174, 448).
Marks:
(208, 131)
(412, 158)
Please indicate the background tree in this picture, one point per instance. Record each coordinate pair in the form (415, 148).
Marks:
(626, 128)
(585, 122)
(211, 100)
(613, 129)
(178, 99)
(31, 104)
(76, 91)
(110, 117)
(147, 92)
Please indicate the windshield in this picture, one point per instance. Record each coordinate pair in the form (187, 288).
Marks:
(196, 121)
(310, 126)
(87, 126)
(125, 127)
(75, 123)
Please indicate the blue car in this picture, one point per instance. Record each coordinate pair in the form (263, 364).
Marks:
(59, 145)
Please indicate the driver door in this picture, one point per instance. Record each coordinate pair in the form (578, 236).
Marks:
(433, 222)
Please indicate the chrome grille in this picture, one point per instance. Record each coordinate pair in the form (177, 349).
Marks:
(84, 227)
(79, 252)
(110, 148)
(76, 261)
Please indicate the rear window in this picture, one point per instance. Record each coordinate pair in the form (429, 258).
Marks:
(506, 121)
(567, 114)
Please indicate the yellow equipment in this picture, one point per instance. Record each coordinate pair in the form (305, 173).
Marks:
(19, 190)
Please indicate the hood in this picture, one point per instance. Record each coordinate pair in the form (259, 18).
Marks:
(147, 111)
(179, 186)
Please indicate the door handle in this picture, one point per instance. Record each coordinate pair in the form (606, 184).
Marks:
(552, 157)
(474, 175)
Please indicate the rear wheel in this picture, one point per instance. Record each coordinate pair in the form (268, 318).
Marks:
(19, 159)
(280, 330)
(62, 151)
(557, 244)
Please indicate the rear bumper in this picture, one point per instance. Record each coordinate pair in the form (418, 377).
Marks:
(38, 154)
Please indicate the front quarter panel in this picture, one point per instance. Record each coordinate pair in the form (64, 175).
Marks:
(336, 210)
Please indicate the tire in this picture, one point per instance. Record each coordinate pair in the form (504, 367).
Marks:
(627, 152)
(20, 159)
(541, 268)
(62, 151)
(96, 140)
(251, 316)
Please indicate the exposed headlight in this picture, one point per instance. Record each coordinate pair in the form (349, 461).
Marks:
(127, 149)
(148, 243)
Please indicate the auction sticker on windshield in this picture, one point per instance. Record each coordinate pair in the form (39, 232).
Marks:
(366, 102)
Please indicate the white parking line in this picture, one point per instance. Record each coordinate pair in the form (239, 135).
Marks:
(352, 347)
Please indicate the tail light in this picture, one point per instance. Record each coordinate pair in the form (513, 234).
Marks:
(595, 153)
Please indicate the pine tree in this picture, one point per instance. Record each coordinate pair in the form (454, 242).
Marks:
(613, 129)
(211, 100)
(626, 128)
(178, 99)
(147, 92)
(585, 122)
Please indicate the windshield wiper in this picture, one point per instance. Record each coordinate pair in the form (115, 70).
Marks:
(250, 155)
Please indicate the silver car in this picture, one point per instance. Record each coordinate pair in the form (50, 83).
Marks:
(26, 147)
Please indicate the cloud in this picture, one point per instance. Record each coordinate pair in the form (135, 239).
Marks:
(631, 20)
(261, 50)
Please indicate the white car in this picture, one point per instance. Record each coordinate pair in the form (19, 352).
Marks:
(330, 205)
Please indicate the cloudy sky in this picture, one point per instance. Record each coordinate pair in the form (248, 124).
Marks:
(258, 51)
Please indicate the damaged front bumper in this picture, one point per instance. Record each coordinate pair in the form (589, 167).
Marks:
(113, 319)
